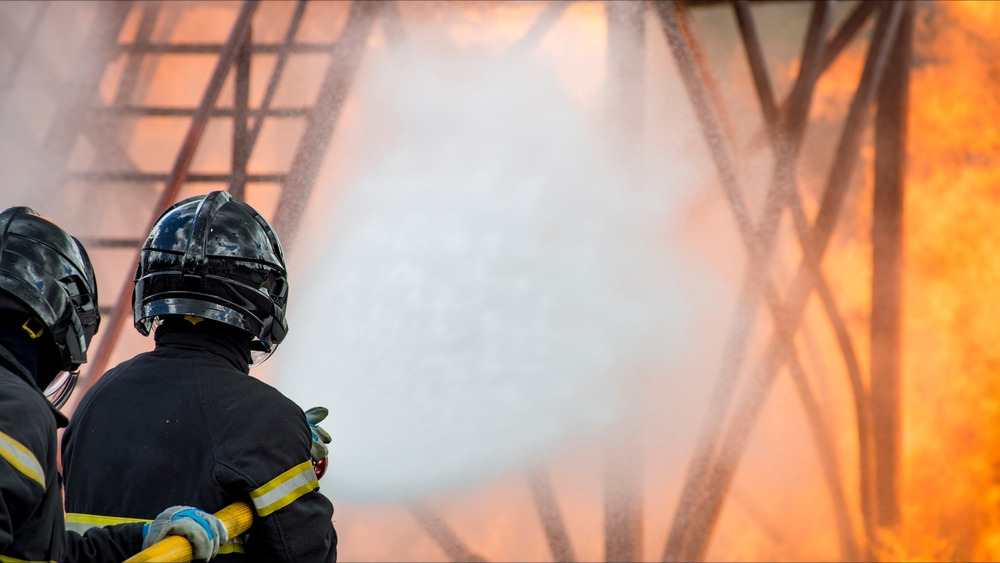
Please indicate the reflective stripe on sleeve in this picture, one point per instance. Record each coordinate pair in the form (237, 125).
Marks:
(9, 559)
(235, 545)
(284, 489)
(80, 523)
(22, 459)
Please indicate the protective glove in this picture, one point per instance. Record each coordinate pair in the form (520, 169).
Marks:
(320, 438)
(205, 532)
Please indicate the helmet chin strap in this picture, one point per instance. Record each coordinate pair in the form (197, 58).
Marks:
(60, 395)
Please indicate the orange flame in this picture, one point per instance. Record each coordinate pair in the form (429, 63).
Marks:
(952, 395)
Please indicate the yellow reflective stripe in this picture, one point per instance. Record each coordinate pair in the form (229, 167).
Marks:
(8, 559)
(284, 489)
(22, 459)
(233, 546)
(80, 523)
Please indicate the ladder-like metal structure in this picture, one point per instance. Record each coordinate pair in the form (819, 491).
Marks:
(106, 126)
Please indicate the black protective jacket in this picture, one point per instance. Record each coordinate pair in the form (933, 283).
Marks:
(31, 510)
(186, 425)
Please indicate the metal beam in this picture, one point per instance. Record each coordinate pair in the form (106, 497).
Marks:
(451, 544)
(781, 344)
(178, 174)
(887, 273)
(800, 222)
(552, 520)
(242, 145)
(758, 246)
(545, 21)
(213, 48)
(272, 83)
(69, 120)
(346, 57)
(20, 51)
(786, 138)
(623, 515)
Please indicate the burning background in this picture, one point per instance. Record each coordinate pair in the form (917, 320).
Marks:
(494, 288)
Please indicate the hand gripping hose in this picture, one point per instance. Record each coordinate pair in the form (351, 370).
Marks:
(176, 549)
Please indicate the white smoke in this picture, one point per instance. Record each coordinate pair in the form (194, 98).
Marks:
(489, 286)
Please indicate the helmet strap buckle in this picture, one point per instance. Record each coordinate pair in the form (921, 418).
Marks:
(33, 327)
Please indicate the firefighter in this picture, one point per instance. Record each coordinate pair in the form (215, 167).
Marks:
(48, 315)
(186, 423)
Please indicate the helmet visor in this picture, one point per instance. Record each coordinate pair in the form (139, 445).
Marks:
(257, 353)
(59, 391)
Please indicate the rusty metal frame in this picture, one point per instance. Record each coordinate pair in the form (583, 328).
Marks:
(720, 450)
(321, 121)
(236, 53)
(178, 175)
(560, 545)
(887, 272)
(446, 539)
(786, 138)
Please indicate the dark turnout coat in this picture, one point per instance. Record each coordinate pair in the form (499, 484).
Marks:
(186, 424)
(31, 509)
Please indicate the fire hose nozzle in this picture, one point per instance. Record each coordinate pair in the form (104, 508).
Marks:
(319, 466)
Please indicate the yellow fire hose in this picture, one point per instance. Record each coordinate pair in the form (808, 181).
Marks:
(176, 549)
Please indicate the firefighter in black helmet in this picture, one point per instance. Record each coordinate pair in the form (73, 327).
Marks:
(185, 423)
(48, 316)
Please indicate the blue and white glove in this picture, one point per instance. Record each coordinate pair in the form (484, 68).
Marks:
(205, 532)
(320, 437)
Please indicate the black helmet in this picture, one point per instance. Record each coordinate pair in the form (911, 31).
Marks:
(214, 257)
(49, 271)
